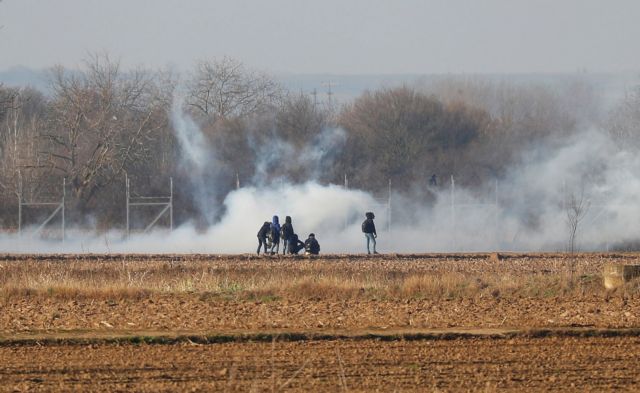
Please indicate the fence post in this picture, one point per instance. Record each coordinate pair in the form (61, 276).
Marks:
(497, 215)
(389, 209)
(19, 203)
(346, 187)
(453, 212)
(126, 181)
(64, 195)
(171, 203)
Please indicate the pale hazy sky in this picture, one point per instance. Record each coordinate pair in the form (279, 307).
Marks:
(329, 36)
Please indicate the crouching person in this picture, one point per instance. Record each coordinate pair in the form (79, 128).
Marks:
(295, 244)
(311, 245)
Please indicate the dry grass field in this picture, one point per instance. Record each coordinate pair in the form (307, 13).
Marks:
(336, 322)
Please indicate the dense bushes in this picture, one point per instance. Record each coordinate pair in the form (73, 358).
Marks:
(99, 124)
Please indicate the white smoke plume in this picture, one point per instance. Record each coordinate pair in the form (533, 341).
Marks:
(196, 159)
(526, 211)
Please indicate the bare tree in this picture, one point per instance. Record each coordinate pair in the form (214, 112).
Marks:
(624, 121)
(102, 122)
(576, 208)
(299, 118)
(225, 88)
(23, 117)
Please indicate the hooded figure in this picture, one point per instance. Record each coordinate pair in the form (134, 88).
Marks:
(286, 232)
(274, 235)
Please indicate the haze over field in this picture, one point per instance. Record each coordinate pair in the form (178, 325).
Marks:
(527, 112)
(333, 36)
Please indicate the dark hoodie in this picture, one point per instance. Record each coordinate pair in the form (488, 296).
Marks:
(311, 245)
(264, 230)
(287, 229)
(367, 225)
(295, 244)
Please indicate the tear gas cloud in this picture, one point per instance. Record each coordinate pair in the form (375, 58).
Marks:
(525, 211)
(196, 159)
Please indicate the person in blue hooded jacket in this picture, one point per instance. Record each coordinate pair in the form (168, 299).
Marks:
(274, 235)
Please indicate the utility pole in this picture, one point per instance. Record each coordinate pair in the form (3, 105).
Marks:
(330, 93)
(314, 93)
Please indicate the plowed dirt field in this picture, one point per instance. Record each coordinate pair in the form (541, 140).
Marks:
(539, 364)
(336, 323)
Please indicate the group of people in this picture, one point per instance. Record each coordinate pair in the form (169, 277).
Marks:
(271, 233)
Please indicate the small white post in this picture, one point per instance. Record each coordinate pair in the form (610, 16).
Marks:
(126, 181)
(64, 195)
(497, 214)
(19, 203)
(171, 203)
(389, 209)
(453, 211)
(346, 187)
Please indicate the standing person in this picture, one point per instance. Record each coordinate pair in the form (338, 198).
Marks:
(262, 236)
(286, 232)
(311, 245)
(369, 230)
(274, 235)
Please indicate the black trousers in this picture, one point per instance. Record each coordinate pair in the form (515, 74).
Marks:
(261, 241)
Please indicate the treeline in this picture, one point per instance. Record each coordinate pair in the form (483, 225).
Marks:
(98, 124)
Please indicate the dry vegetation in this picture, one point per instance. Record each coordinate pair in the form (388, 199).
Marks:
(331, 323)
(246, 293)
(300, 279)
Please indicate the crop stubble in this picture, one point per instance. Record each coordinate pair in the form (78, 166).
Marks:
(105, 295)
(550, 364)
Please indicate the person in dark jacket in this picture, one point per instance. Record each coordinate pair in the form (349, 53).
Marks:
(286, 231)
(311, 245)
(262, 236)
(295, 244)
(274, 235)
(369, 230)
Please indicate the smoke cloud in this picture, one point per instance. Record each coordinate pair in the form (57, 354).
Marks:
(525, 211)
(196, 160)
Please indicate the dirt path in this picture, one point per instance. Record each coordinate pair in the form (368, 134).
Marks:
(553, 363)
